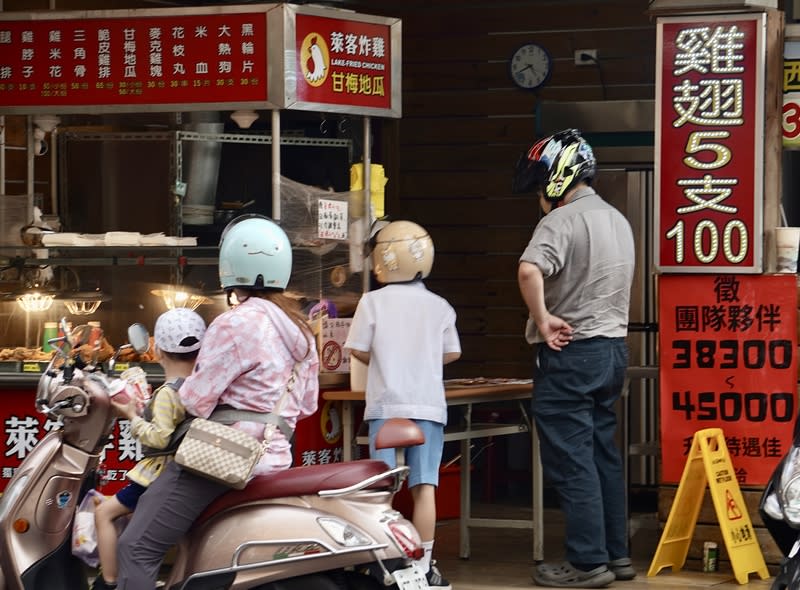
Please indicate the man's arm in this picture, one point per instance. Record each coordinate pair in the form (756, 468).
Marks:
(556, 332)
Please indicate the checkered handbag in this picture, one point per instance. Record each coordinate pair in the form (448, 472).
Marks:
(219, 452)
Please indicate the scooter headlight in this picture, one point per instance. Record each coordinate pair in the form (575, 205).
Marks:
(790, 488)
(791, 502)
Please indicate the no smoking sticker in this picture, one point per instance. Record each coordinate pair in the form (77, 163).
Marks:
(331, 355)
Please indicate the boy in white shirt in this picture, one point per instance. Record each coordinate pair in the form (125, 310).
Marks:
(405, 334)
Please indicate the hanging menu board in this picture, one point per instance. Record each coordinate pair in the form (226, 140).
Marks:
(341, 61)
(134, 60)
(265, 56)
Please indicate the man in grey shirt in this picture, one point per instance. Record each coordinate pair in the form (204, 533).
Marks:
(575, 278)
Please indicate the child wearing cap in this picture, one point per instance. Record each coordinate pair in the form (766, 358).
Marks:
(178, 334)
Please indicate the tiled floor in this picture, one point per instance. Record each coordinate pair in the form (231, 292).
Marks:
(502, 558)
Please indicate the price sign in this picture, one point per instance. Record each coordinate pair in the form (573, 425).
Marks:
(728, 360)
(709, 143)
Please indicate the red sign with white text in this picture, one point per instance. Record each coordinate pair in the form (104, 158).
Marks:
(709, 143)
(343, 62)
(175, 59)
(728, 360)
(21, 427)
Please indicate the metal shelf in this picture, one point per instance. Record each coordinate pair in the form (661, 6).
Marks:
(115, 256)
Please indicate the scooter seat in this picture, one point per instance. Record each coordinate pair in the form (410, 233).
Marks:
(300, 481)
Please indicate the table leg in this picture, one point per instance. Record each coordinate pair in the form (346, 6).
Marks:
(466, 487)
(538, 497)
(348, 436)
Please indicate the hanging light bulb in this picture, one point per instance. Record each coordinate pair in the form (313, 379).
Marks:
(34, 301)
(179, 297)
(83, 302)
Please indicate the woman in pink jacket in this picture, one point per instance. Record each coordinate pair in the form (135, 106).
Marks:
(246, 359)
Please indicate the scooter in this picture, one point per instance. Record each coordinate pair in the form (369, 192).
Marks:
(321, 527)
(780, 511)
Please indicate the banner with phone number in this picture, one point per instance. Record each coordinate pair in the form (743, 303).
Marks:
(728, 360)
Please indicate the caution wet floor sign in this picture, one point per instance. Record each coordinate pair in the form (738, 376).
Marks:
(710, 464)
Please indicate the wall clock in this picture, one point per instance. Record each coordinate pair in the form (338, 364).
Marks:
(530, 66)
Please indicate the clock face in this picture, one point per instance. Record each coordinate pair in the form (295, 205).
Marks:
(530, 66)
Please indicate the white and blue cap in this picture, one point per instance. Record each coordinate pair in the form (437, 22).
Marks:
(179, 330)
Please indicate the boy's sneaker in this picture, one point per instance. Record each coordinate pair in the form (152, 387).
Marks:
(435, 579)
(100, 584)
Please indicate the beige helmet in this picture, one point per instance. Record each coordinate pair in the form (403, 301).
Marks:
(403, 252)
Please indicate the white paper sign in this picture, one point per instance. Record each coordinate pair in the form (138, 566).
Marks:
(332, 222)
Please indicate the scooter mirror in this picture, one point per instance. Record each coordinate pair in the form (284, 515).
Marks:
(139, 338)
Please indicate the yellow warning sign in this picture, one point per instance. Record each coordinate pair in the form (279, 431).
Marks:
(709, 463)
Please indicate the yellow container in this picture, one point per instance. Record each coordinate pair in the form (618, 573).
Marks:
(377, 181)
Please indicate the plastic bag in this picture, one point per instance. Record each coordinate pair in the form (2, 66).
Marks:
(84, 533)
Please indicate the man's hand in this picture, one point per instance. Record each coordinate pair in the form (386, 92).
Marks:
(556, 332)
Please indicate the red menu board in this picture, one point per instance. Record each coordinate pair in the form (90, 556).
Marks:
(709, 143)
(728, 360)
(125, 59)
(345, 62)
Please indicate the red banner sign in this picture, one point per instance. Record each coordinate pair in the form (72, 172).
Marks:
(727, 348)
(709, 143)
(318, 439)
(171, 60)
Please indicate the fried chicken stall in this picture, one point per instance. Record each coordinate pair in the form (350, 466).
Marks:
(159, 126)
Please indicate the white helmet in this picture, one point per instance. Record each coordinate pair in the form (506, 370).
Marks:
(179, 330)
(254, 252)
(403, 252)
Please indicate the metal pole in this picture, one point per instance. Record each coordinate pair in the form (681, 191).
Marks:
(2, 148)
(53, 172)
(367, 197)
(30, 153)
(276, 165)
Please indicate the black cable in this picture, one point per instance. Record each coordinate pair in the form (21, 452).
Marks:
(589, 57)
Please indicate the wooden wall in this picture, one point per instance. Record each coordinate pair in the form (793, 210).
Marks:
(450, 157)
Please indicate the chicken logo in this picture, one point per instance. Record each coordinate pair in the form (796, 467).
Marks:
(315, 59)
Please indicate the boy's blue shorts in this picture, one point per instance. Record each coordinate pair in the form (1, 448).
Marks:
(130, 494)
(423, 460)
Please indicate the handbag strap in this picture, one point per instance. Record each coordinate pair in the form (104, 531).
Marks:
(273, 420)
(227, 415)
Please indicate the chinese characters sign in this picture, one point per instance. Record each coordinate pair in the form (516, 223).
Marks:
(145, 57)
(317, 439)
(350, 62)
(727, 347)
(791, 95)
(709, 142)
(332, 222)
